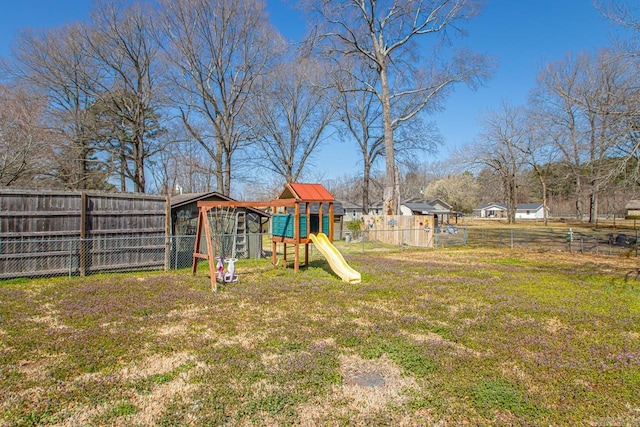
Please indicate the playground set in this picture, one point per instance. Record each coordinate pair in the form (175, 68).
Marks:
(292, 223)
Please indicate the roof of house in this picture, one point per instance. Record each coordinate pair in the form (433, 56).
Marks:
(498, 205)
(436, 200)
(632, 204)
(528, 206)
(418, 205)
(306, 192)
(348, 205)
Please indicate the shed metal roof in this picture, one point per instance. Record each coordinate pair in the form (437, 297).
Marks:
(184, 199)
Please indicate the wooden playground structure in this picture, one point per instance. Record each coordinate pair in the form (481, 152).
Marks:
(292, 222)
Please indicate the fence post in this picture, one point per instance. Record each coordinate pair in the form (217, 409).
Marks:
(83, 234)
(70, 258)
(511, 238)
(167, 234)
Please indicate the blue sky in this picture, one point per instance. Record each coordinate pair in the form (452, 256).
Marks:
(521, 34)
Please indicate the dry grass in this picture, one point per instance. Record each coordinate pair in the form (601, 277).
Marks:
(446, 337)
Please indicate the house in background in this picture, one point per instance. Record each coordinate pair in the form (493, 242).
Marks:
(491, 210)
(632, 209)
(530, 211)
(376, 208)
(440, 209)
(416, 206)
(499, 210)
(350, 210)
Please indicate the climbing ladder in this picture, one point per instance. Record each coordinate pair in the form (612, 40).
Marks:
(240, 247)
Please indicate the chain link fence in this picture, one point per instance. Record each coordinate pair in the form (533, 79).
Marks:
(41, 257)
(550, 239)
(622, 242)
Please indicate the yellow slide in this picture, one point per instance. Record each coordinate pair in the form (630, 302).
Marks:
(336, 261)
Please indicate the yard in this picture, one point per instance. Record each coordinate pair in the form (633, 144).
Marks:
(451, 336)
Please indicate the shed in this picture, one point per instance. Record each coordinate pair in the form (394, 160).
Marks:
(184, 221)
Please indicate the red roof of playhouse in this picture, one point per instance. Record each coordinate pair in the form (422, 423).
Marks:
(306, 192)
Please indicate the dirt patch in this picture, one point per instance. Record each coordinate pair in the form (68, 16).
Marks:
(373, 384)
(554, 325)
(150, 406)
(50, 319)
(172, 330)
(435, 339)
(368, 387)
(155, 365)
(245, 340)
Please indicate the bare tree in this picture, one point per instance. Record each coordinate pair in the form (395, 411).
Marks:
(555, 100)
(626, 15)
(23, 140)
(538, 154)
(582, 105)
(56, 63)
(385, 35)
(292, 115)
(127, 105)
(361, 115)
(498, 149)
(219, 49)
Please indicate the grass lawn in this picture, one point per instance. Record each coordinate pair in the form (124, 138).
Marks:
(447, 337)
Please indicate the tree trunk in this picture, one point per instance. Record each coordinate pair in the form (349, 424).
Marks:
(219, 166)
(123, 173)
(366, 178)
(544, 201)
(390, 206)
(227, 174)
(593, 206)
(140, 183)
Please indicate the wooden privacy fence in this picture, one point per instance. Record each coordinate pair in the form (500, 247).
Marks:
(399, 230)
(55, 232)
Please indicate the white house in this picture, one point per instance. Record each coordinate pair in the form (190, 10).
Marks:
(491, 210)
(499, 210)
(632, 209)
(530, 211)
